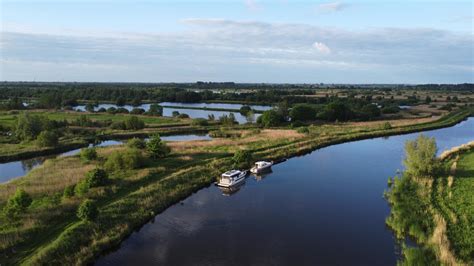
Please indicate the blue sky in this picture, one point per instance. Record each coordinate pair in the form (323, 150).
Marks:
(279, 41)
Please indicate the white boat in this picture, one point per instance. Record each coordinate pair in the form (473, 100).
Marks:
(261, 166)
(231, 178)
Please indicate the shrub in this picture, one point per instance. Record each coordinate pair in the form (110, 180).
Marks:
(28, 127)
(136, 143)
(68, 191)
(130, 159)
(81, 187)
(157, 148)
(386, 126)
(137, 111)
(242, 158)
(134, 122)
(18, 203)
(303, 130)
(47, 139)
(88, 154)
(183, 116)
(175, 113)
(227, 119)
(199, 122)
(97, 177)
(87, 211)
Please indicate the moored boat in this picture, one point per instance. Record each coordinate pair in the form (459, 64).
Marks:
(261, 166)
(231, 178)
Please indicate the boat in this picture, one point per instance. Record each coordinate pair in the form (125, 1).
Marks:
(231, 178)
(261, 166)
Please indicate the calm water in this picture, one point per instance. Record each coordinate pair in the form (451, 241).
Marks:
(20, 168)
(324, 208)
(191, 112)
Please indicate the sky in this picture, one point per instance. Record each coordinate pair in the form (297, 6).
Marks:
(250, 41)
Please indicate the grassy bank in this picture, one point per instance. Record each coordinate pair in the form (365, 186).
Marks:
(50, 233)
(437, 212)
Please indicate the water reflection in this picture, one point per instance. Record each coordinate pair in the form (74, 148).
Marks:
(229, 191)
(324, 208)
(168, 111)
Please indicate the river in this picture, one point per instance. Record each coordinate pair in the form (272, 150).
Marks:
(324, 208)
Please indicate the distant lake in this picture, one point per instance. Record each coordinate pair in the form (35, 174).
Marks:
(324, 208)
(191, 112)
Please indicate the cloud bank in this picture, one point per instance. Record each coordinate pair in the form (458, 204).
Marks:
(241, 51)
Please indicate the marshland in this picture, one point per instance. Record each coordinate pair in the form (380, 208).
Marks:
(110, 184)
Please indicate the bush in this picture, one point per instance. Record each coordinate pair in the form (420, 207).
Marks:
(391, 109)
(157, 148)
(134, 123)
(199, 122)
(183, 116)
(303, 130)
(97, 177)
(136, 143)
(175, 113)
(130, 159)
(137, 111)
(47, 139)
(68, 191)
(227, 119)
(81, 187)
(242, 158)
(386, 126)
(88, 154)
(87, 211)
(17, 203)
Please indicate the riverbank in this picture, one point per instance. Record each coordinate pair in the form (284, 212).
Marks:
(136, 196)
(437, 212)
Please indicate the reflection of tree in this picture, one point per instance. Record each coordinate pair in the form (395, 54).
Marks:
(28, 165)
(250, 116)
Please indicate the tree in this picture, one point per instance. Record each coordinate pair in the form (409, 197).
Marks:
(250, 117)
(87, 211)
(96, 178)
(270, 118)
(90, 107)
(120, 101)
(302, 112)
(420, 156)
(47, 138)
(245, 109)
(28, 126)
(155, 109)
(137, 111)
(157, 148)
(369, 111)
(227, 119)
(336, 110)
(88, 154)
(283, 109)
(18, 203)
(242, 158)
(136, 143)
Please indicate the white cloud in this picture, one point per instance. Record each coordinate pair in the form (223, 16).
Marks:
(246, 51)
(331, 7)
(322, 48)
